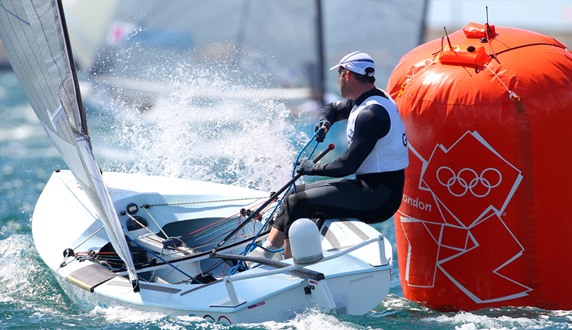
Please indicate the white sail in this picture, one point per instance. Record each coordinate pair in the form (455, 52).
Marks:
(34, 35)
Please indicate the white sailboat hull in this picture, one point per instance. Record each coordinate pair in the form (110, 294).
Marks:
(351, 283)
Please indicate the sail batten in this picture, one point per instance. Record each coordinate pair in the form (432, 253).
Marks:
(33, 34)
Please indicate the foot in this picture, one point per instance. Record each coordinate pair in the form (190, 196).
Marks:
(262, 253)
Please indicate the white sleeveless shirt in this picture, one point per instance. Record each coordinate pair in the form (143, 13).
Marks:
(390, 152)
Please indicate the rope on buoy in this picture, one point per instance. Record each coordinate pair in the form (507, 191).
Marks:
(511, 95)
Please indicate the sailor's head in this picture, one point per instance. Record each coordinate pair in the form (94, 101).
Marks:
(357, 62)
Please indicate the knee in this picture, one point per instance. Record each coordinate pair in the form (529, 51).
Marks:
(292, 200)
(284, 213)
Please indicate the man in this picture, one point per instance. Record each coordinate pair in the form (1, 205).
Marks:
(377, 154)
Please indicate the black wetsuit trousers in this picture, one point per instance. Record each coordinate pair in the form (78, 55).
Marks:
(371, 198)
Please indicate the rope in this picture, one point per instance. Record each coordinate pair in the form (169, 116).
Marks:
(155, 221)
(206, 242)
(511, 95)
(88, 238)
(533, 44)
(499, 79)
(215, 226)
(202, 202)
(205, 227)
(167, 262)
(142, 225)
(161, 229)
(300, 153)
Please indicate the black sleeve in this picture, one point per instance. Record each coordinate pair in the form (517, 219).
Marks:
(336, 111)
(372, 124)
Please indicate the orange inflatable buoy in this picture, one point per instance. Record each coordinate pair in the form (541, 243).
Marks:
(484, 220)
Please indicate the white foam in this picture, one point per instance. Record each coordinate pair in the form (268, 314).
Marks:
(126, 315)
(25, 280)
(14, 269)
(206, 129)
(309, 320)
(470, 321)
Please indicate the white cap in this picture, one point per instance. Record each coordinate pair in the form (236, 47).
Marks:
(356, 62)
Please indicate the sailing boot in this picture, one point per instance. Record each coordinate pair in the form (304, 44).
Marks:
(261, 253)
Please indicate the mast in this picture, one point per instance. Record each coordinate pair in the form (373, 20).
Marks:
(423, 25)
(73, 70)
(320, 52)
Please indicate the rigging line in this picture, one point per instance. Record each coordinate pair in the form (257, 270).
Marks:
(164, 260)
(140, 224)
(253, 243)
(205, 227)
(155, 221)
(215, 223)
(175, 249)
(304, 148)
(220, 226)
(222, 271)
(239, 263)
(215, 266)
(206, 242)
(267, 219)
(88, 238)
(163, 240)
(71, 191)
(533, 44)
(499, 79)
(511, 95)
(210, 231)
(219, 229)
(13, 14)
(202, 202)
(224, 232)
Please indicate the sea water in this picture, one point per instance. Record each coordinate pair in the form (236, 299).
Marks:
(244, 141)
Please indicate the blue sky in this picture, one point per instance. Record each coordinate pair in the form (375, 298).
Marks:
(537, 15)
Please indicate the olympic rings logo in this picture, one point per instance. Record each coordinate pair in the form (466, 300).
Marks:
(468, 179)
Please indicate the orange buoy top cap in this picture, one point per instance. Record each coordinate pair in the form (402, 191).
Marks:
(466, 56)
(479, 31)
